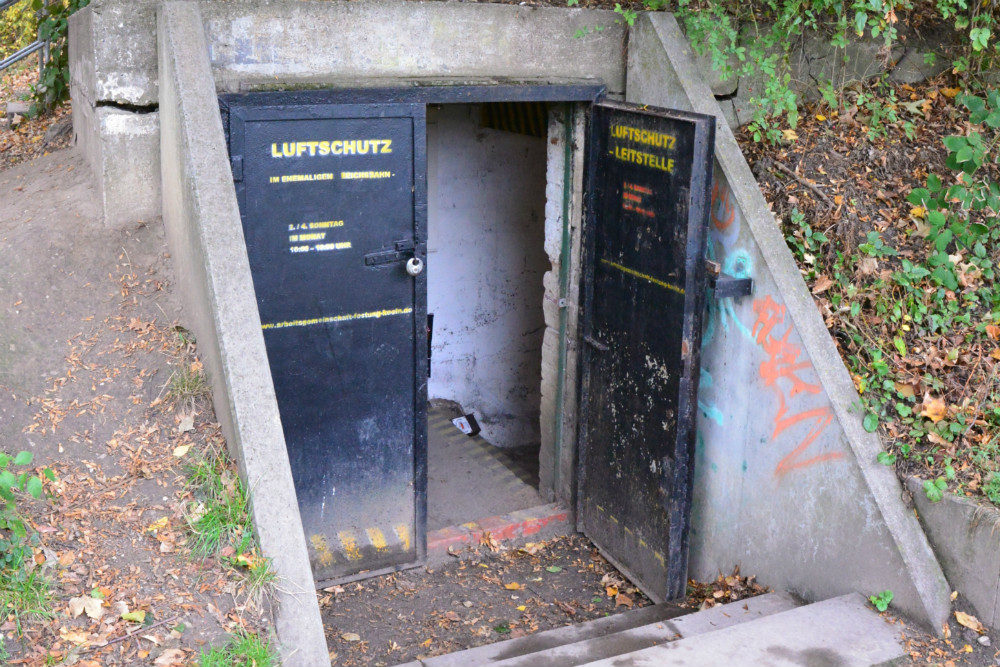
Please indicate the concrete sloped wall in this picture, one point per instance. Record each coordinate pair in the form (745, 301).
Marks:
(787, 485)
(205, 235)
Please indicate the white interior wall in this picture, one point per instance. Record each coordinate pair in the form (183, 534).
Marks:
(485, 265)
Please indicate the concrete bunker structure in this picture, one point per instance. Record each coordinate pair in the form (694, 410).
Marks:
(786, 483)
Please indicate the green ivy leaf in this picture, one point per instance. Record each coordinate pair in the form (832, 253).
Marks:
(886, 459)
(900, 345)
(870, 422)
(7, 479)
(933, 492)
(34, 487)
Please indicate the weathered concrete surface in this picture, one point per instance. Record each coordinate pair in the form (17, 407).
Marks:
(787, 485)
(841, 631)
(205, 235)
(126, 163)
(614, 635)
(112, 53)
(966, 538)
(264, 42)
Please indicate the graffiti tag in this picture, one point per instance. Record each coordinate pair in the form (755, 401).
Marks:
(783, 364)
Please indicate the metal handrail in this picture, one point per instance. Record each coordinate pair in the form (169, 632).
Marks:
(21, 54)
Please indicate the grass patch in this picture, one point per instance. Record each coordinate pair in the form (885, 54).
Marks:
(242, 650)
(24, 596)
(220, 515)
(219, 521)
(992, 489)
(188, 385)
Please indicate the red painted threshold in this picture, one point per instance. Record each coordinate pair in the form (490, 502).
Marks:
(514, 527)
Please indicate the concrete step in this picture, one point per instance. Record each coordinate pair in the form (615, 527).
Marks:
(613, 635)
(842, 631)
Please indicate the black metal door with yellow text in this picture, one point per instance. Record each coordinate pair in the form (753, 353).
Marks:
(649, 180)
(333, 201)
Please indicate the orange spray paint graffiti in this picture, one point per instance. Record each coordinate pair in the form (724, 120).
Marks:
(783, 364)
(723, 211)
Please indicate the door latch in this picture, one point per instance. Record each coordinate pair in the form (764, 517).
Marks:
(400, 251)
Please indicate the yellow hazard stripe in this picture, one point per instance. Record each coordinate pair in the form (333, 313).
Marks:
(377, 539)
(350, 545)
(644, 276)
(337, 318)
(403, 533)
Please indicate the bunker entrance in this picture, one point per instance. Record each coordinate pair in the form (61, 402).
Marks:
(431, 254)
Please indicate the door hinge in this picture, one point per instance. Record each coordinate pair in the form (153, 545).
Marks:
(400, 251)
(236, 162)
(725, 286)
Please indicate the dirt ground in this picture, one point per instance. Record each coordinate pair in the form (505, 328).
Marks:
(88, 343)
(472, 601)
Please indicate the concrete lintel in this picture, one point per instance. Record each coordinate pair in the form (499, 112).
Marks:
(205, 235)
(260, 42)
(787, 482)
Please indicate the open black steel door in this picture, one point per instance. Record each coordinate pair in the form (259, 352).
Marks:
(333, 200)
(649, 179)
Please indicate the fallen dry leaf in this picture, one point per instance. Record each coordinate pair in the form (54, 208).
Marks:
(934, 408)
(159, 524)
(186, 424)
(822, 284)
(513, 586)
(73, 636)
(181, 450)
(969, 621)
(351, 637)
(93, 607)
(169, 658)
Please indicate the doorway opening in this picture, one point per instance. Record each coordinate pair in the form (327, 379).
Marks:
(486, 197)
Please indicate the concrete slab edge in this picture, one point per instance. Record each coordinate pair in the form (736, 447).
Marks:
(966, 537)
(205, 236)
(914, 549)
(839, 631)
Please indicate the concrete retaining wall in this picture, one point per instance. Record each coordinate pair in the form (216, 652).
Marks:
(966, 538)
(787, 485)
(205, 236)
(113, 73)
